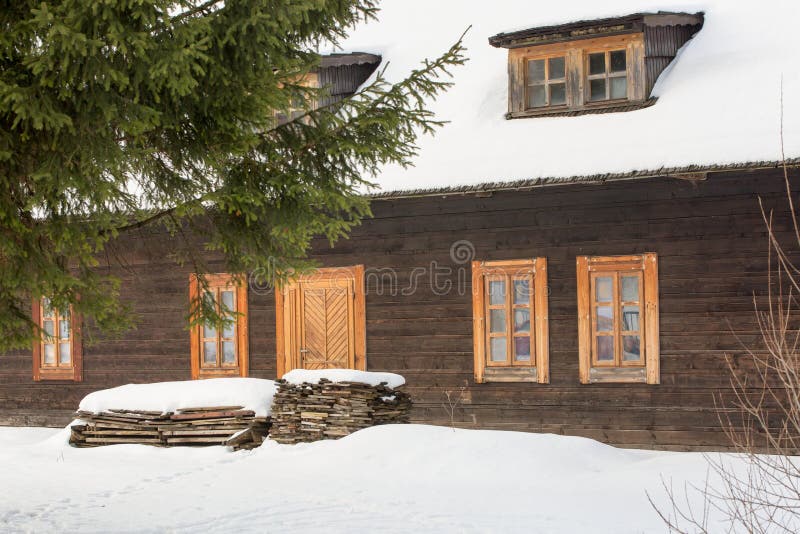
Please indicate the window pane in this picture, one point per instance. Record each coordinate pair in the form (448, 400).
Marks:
(497, 292)
(597, 63)
(522, 349)
(536, 98)
(603, 286)
(597, 89)
(210, 352)
(498, 349)
(229, 330)
(48, 328)
(605, 348)
(558, 94)
(63, 353)
(630, 288)
(618, 61)
(605, 319)
(522, 320)
(228, 352)
(556, 66)
(47, 309)
(619, 87)
(228, 301)
(536, 70)
(630, 318)
(49, 354)
(631, 349)
(522, 292)
(209, 331)
(63, 329)
(497, 321)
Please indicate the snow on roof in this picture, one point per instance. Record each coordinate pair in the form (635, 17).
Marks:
(251, 393)
(304, 376)
(719, 102)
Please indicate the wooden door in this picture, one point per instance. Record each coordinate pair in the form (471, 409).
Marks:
(321, 321)
(327, 339)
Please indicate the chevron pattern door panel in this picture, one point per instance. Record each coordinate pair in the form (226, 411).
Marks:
(326, 330)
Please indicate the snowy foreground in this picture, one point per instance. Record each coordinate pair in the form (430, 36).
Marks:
(396, 478)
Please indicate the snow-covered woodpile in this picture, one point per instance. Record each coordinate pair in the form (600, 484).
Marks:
(202, 426)
(241, 412)
(308, 408)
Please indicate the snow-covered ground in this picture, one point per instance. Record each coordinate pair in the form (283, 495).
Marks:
(396, 478)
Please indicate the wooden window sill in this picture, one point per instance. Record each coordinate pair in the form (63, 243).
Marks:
(510, 374)
(593, 108)
(219, 373)
(619, 375)
(65, 374)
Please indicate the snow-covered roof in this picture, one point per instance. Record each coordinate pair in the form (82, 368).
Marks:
(719, 102)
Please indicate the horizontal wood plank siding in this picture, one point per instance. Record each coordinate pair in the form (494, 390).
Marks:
(711, 248)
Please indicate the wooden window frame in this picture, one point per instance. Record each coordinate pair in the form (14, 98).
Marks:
(219, 282)
(607, 75)
(535, 370)
(546, 83)
(309, 80)
(72, 372)
(287, 316)
(576, 53)
(647, 368)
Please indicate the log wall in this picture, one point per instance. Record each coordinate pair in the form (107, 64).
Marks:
(711, 244)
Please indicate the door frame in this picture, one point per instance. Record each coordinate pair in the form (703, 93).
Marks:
(287, 315)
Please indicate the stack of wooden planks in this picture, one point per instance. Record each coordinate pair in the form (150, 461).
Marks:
(216, 425)
(331, 410)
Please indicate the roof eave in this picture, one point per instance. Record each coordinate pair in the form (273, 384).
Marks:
(587, 29)
(688, 172)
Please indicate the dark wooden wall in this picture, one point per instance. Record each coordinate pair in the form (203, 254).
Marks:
(661, 45)
(343, 81)
(712, 258)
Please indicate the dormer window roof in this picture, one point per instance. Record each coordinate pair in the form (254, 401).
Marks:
(595, 66)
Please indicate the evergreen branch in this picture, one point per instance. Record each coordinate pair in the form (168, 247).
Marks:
(120, 117)
(195, 10)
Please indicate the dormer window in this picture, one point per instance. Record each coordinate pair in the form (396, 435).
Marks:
(592, 66)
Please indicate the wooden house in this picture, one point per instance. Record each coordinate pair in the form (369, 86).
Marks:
(577, 250)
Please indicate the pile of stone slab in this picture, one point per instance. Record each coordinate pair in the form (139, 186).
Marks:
(330, 410)
(203, 426)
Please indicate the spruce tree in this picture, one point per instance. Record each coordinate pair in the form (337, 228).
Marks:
(123, 114)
